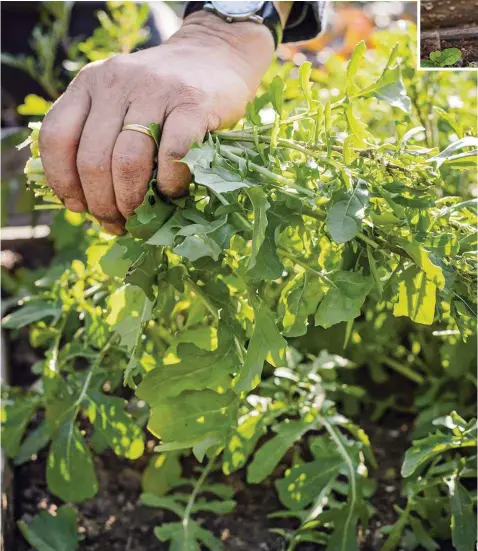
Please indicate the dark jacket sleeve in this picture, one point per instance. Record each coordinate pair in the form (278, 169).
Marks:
(306, 21)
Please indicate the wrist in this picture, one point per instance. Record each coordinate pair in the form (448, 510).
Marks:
(251, 42)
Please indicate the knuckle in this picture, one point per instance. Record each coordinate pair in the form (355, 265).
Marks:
(128, 163)
(49, 135)
(131, 170)
(56, 134)
(186, 96)
(87, 73)
(91, 165)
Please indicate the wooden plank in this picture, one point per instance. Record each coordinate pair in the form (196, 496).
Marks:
(448, 13)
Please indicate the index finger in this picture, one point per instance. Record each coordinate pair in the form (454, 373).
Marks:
(58, 141)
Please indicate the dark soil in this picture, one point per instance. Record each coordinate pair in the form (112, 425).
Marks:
(115, 520)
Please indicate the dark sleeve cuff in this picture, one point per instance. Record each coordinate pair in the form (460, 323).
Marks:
(306, 20)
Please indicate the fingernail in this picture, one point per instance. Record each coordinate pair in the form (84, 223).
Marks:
(116, 229)
(74, 205)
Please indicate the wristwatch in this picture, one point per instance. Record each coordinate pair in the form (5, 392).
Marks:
(263, 13)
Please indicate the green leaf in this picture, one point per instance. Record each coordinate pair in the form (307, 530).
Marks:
(30, 313)
(16, 414)
(343, 303)
(200, 155)
(261, 205)
(423, 260)
(52, 533)
(395, 536)
(150, 215)
(389, 87)
(220, 180)
(463, 517)
(115, 427)
(179, 539)
(345, 217)
(188, 537)
(427, 448)
(193, 416)
(353, 66)
(70, 473)
(416, 297)
(449, 152)
(445, 58)
(359, 134)
(303, 483)
(118, 259)
(143, 271)
(268, 456)
(218, 507)
(304, 80)
(243, 440)
(299, 300)
(267, 264)
(162, 471)
(155, 130)
(197, 369)
(422, 535)
(129, 308)
(427, 63)
(276, 93)
(164, 502)
(266, 341)
(345, 534)
(35, 441)
(195, 247)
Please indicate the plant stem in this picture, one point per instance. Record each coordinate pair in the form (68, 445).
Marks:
(302, 147)
(194, 493)
(268, 174)
(403, 370)
(200, 294)
(353, 482)
(306, 266)
(92, 371)
(291, 120)
(367, 240)
(53, 361)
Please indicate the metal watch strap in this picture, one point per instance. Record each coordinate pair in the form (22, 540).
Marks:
(268, 13)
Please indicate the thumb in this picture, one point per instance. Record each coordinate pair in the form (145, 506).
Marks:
(180, 130)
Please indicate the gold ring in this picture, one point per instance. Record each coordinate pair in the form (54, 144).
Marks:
(138, 128)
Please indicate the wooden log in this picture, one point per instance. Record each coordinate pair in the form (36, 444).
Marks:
(448, 13)
(464, 33)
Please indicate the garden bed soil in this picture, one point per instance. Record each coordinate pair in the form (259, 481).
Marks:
(115, 520)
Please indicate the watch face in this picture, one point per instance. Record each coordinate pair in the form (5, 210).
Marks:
(237, 8)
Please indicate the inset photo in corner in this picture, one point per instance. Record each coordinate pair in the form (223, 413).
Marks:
(448, 34)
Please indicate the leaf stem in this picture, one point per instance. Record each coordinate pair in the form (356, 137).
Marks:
(404, 370)
(268, 174)
(367, 240)
(291, 120)
(306, 266)
(200, 294)
(194, 493)
(353, 482)
(93, 370)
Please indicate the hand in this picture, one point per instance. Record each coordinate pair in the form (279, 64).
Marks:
(200, 80)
